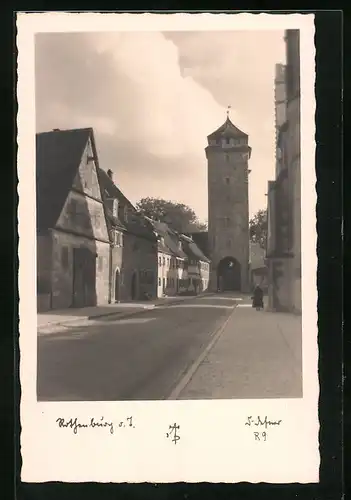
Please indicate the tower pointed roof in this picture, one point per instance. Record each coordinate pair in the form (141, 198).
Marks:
(228, 129)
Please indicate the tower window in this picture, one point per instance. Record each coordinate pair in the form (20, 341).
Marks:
(227, 180)
(229, 243)
(226, 221)
(227, 157)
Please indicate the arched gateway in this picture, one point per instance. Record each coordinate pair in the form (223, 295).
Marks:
(229, 275)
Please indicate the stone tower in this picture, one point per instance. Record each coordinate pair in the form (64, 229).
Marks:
(227, 155)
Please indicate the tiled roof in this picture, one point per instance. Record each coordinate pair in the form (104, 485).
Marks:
(192, 250)
(135, 223)
(108, 185)
(228, 129)
(201, 240)
(58, 155)
(170, 239)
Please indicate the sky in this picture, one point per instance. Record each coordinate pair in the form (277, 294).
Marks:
(152, 99)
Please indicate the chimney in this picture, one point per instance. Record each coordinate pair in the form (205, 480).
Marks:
(56, 130)
(110, 174)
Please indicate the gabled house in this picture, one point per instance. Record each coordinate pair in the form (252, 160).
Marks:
(72, 236)
(172, 261)
(198, 265)
(133, 268)
(182, 266)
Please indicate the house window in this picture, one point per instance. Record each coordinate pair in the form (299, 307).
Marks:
(120, 212)
(115, 208)
(227, 158)
(159, 282)
(160, 261)
(164, 261)
(226, 221)
(118, 239)
(125, 214)
(227, 180)
(64, 257)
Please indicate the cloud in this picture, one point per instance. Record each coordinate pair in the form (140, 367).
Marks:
(152, 98)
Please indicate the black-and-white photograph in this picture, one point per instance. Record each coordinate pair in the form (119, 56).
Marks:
(168, 216)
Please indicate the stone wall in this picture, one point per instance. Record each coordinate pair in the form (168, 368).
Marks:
(63, 271)
(139, 258)
(295, 196)
(44, 261)
(279, 287)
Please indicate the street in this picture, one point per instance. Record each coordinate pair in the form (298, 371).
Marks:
(143, 357)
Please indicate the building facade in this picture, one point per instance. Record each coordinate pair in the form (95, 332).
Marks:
(72, 236)
(198, 267)
(133, 254)
(182, 266)
(284, 200)
(227, 155)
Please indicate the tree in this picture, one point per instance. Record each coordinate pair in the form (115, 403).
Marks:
(178, 216)
(259, 228)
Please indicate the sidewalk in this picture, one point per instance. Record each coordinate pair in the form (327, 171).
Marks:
(257, 355)
(51, 320)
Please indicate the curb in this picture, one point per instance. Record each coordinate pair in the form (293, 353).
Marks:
(186, 378)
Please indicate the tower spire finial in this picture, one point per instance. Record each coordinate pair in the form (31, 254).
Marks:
(228, 110)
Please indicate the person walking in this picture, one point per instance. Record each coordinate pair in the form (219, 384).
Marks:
(257, 298)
